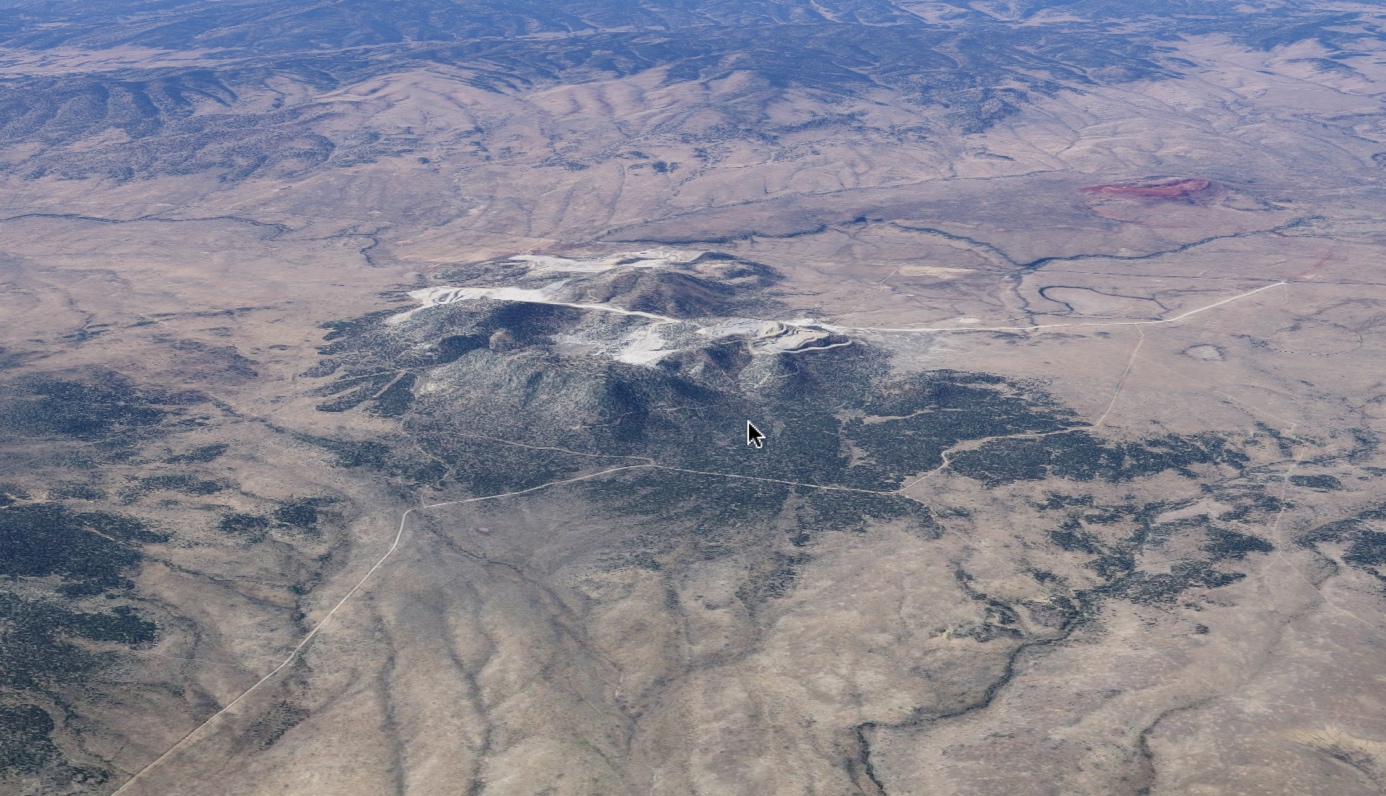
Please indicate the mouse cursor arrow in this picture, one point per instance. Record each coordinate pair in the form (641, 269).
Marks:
(753, 436)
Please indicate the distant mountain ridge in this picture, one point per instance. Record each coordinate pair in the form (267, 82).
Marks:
(228, 114)
(285, 25)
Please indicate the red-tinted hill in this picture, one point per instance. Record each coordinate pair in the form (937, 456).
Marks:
(1163, 189)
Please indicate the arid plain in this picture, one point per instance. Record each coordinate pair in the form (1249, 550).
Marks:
(1067, 488)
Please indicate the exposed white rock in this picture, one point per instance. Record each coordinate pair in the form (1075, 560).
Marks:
(651, 258)
(647, 343)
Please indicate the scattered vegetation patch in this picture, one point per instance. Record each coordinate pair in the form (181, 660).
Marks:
(103, 408)
(250, 526)
(828, 510)
(1164, 588)
(352, 327)
(299, 514)
(38, 652)
(199, 455)
(396, 399)
(1075, 540)
(1366, 547)
(44, 651)
(1367, 550)
(770, 578)
(270, 727)
(357, 392)
(1325, 482)
(11, 494)
(1227, 544)
(909, 424)
(1080, 456)
(185, 484)
(74, 490)
(25, 743)
(1056, 500)
(452, 347)
(89, 551)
